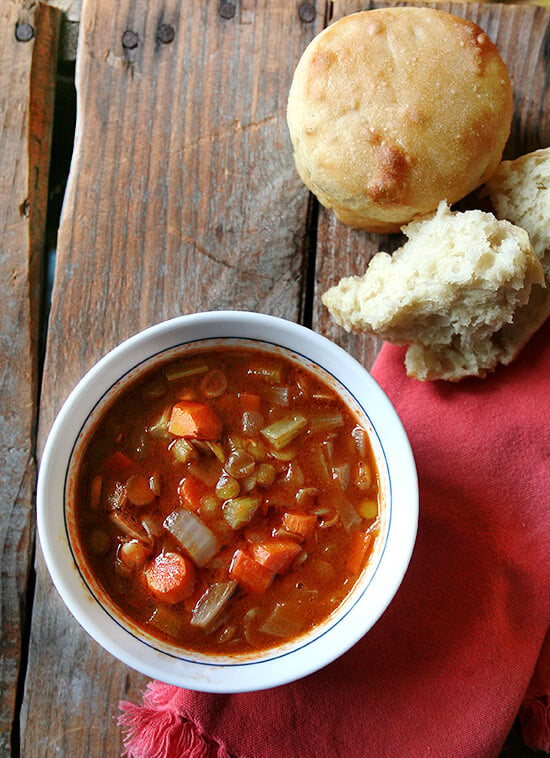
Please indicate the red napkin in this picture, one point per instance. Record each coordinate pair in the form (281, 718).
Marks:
(446, 669)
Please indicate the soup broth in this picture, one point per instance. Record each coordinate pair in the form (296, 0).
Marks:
(227, 501)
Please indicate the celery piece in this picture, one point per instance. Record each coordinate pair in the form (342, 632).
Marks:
(173, 373)
(326, 421)
(239, 511)
(280, 433)
(272, 373)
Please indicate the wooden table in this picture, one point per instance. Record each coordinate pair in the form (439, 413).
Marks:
(182, 197)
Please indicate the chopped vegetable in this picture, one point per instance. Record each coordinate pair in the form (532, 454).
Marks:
(183, 450)
(239, 511)
(227, 487)
(129, 525)
(249, 401)
(276, 555)
(283, 622)
(182, 371)
(134, 554)
(239, 483)
(95, 491)
(193, 535)
(265, 474)
(302, 524)
(211, 604)
(170, 577)
(167, 620)
(194, 420)
(214, 383)
(368, 509)
(280, 433)
(348, 515)
(272, 374)
(342, 475)
(191, 491)
(138, 490)
(249, 573)
(363, 476)
(326, 421)
(240, 464)
(119, 465)
(160, 428)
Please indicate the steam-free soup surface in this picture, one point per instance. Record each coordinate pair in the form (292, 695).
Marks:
(228, 501)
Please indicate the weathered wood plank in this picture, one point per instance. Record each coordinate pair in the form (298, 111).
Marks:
(521, 34)
(182, 197)
(27, 72)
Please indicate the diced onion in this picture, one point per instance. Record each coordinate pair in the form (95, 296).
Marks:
(182, 450)
(278, 395)
(129, 525)
(363, 476)
(306, 496)
(252, 422)
(211, 604)
(265, 474)
(283, 621)
(361, 439)
(193, 535)
(348, 515)
(342, 475)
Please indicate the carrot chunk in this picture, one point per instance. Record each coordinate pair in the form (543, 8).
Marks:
(194, 420)
(359, 549)
(190, 491)
(250, 574)
(302, 524)
(249, 401)
(170, 577)
(119, 465)
(276, 555)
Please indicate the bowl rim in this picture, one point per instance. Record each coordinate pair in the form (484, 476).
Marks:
(244, 674)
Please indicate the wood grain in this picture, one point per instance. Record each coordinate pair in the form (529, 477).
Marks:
(522, 36)
(27, 71)
(182, 196)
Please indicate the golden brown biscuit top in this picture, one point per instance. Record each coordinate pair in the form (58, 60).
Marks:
(386, 103)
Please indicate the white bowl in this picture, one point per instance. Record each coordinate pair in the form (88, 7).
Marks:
(238, 673)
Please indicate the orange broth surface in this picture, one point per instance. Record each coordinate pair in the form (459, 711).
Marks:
(227, 501)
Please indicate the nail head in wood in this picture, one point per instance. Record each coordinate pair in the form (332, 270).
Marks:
(166, 34)
(130, 40)
(306, 11)
(227, 10)
(24, 32)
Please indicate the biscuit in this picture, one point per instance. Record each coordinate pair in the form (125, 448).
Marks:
(392, 110)
(446, 293)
